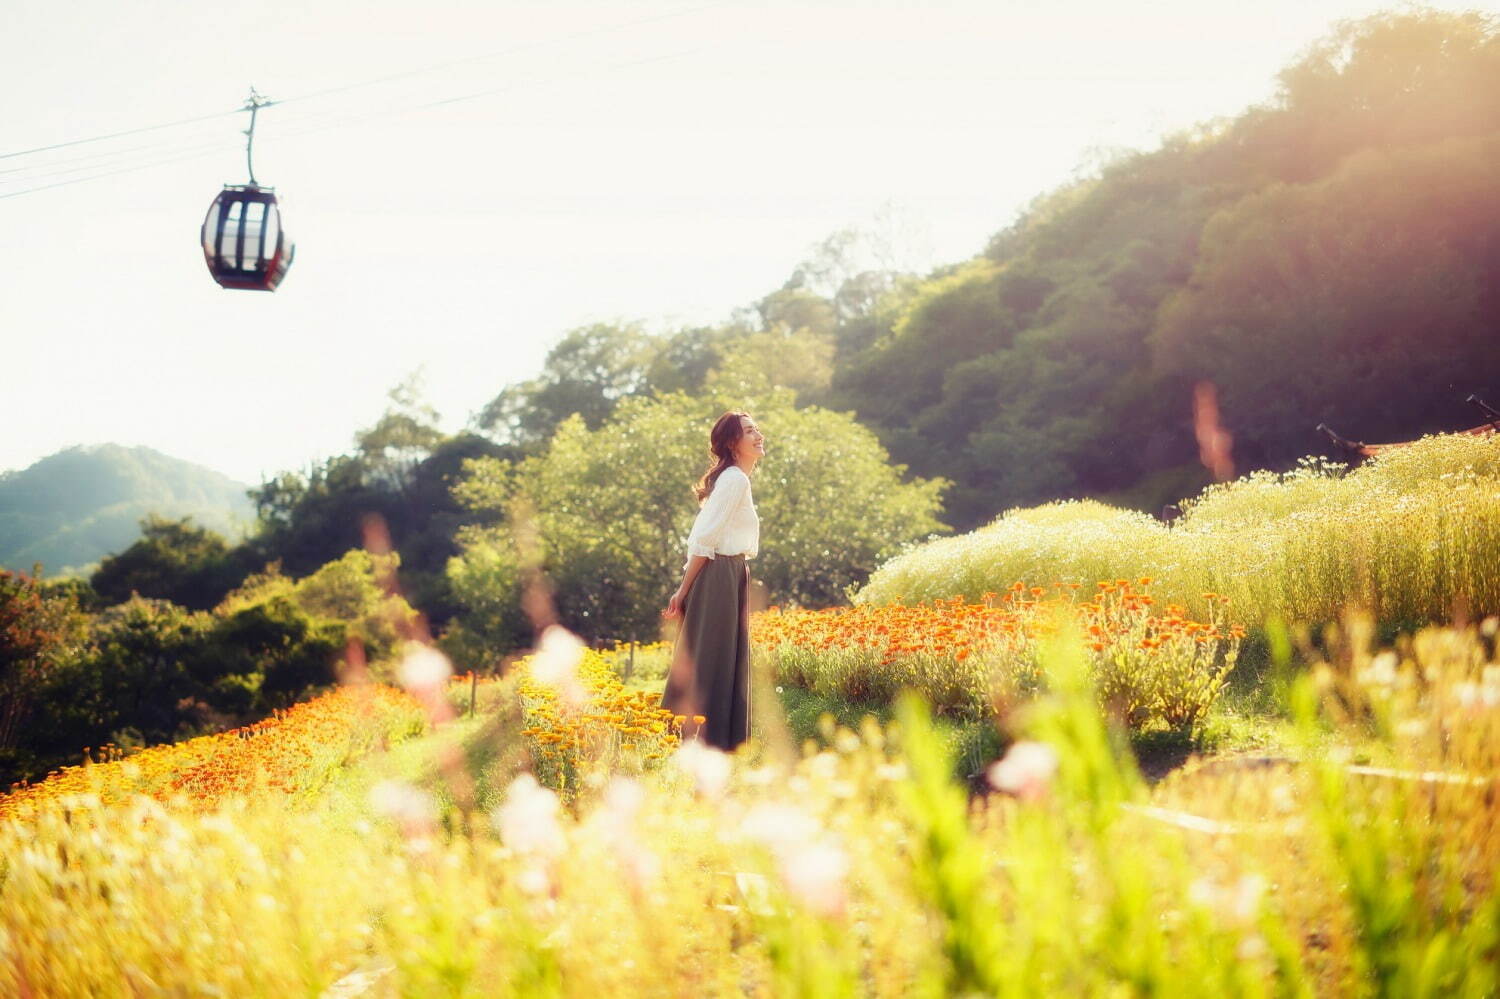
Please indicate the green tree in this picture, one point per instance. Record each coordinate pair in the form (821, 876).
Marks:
(1328, 256)
(283, 652)
(587, 372)
(172, 560)
(35, 625)
(402, 475)
(758, 363)
(1348, 301)
(307, 518)
(405, 435)
(133, 682)
(684, 360)
(610, 509)
(350, 591)
(146, 671)
(41, 629)
(1392, 79)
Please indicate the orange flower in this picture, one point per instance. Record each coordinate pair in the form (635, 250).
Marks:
(269, 755)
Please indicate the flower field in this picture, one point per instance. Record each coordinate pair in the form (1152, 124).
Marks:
(549, 832)
(292, 752)
(579, 716)
(1152, 665)
(1364, 866)
(1408, 537)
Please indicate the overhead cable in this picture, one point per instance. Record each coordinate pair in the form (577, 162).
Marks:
(538, 43)
(217, 147)
(116, 135)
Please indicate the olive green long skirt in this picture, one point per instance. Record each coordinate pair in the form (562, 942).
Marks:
(711, 661)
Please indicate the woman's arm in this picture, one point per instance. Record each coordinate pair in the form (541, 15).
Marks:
(674, 604)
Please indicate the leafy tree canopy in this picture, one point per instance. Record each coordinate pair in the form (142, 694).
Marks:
(401, 477)
(172, 560)
(608, 510)
(1331, 256)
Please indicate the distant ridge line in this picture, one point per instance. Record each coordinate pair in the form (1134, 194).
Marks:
(70, 508)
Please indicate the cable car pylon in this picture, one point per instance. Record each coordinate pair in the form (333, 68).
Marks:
(244, 243)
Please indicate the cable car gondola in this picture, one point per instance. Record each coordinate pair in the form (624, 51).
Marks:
(244, 243)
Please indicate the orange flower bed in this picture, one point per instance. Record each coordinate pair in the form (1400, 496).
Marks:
(950, 627)
(293, 750)
(1150, 663)
(610, 720)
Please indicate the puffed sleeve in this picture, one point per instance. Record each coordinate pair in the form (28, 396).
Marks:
(713, 517)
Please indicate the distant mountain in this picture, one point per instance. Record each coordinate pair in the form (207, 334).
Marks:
(72, 508)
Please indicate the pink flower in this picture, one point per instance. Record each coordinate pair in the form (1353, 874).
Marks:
(623, 799)
(527, 820)
(412, 808)
(815, 874)
(1026, 771)
(812, 865)
(555, 663)
(1237, 903)
(423, 668)
(615, 820)
(781, 827)
(534, 880)
(709, 767)
(424, 672)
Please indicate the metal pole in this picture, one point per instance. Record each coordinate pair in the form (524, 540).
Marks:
(473, 690)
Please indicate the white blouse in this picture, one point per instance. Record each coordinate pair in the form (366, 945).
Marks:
(727, 523)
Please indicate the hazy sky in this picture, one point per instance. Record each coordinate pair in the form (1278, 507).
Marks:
(658, 161)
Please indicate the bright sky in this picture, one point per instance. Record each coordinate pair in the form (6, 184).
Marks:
(657, 161)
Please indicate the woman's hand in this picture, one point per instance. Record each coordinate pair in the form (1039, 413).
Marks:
(690, 573)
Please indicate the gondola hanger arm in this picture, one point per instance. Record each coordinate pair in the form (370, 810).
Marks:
(253, 104)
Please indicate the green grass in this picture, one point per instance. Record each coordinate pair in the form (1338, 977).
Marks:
(972, 744)
(1241, 724)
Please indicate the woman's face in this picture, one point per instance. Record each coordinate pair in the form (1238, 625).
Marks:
(752, 443)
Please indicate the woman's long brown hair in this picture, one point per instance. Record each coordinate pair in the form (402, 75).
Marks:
(721, 441)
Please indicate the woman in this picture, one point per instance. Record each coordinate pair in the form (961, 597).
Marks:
(710, 676)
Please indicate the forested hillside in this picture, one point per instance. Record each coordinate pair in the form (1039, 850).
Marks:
(1330, 256)
(74, 507)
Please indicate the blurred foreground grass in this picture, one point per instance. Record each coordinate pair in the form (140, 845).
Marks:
(858, 868)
